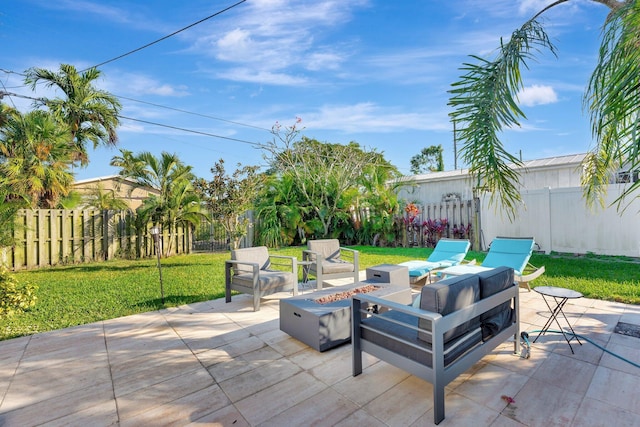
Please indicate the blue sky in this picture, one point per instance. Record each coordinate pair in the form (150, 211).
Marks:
(375, 72)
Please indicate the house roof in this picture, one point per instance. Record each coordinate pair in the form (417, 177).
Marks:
(549, 162)
(103, 178)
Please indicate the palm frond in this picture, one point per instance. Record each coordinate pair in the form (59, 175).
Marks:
(613, 101)
(485, 103)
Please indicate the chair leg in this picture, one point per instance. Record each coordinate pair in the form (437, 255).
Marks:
(227, 283)
(356, 348)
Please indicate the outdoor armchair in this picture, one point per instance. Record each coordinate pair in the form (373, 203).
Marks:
(451, 326)
(250, 271)
(513, 252)
(328, 260)
(447, 253)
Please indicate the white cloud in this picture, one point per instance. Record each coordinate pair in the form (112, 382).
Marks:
(532, 6)
(274, 37)
(261, 76)
(537, 95)
(370, 117)
(132, 84)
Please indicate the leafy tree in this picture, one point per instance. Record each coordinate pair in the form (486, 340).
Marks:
(429, 160)
(281, 212)
(323, 173)
(485, 103)
(90, 114)
(177, 202)
(35, 158)
(230, 197)
(379, 195)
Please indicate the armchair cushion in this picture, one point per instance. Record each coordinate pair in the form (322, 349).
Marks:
(396, 331)
(447, 296)
(326, 248)
(331, 266)
(259, 255)
(269, 279)
(500, 317)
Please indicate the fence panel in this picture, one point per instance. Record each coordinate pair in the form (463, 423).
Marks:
(45, 237)
(451, 219)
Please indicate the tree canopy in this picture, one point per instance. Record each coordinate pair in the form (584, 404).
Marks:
(430, 159)
(327, 179)
(229, 197)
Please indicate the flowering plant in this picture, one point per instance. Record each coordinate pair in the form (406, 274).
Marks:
(412, 213)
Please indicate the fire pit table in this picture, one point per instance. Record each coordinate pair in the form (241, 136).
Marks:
(326, 325)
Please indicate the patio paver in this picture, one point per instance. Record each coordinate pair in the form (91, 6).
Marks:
(213, 363)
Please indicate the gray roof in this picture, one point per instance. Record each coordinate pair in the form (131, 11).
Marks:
(549, 162)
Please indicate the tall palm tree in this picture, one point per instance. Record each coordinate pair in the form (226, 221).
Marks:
(485, 103)
(90, 113)
(36, 158)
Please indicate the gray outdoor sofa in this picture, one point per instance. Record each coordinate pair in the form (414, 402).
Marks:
(455, 323)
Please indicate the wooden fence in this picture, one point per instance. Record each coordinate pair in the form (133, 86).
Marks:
(451, 219)
(45, 237)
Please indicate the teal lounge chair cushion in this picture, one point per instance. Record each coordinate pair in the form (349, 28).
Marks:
(447, 253)
(514, 253)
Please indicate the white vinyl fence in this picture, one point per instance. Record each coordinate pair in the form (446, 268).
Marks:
(559, 220)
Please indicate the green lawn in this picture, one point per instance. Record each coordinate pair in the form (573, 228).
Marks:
(79, 294)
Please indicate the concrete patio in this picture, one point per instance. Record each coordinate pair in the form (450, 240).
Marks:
(213, 363)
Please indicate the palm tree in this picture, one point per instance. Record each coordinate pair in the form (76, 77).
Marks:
(281, 212)
(106, 200)
(485, 102)
(177, 203)
(90, 113)
(36, 158)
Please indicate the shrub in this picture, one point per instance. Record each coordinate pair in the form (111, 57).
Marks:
(14, 296)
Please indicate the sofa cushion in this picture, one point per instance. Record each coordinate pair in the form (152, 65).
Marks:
(447, 296)
(259, 255)
(500, 317)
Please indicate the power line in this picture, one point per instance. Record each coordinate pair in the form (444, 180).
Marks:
(167, 36)
(195, 114)
(147, 103)
(256, 144)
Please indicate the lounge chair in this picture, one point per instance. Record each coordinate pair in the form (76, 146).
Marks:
(250, 271)
(327, 260)
(447, 253)
(511, 252)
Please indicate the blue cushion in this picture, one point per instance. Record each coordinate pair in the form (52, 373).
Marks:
(419, 268)
(505, 252)
(448, 252)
